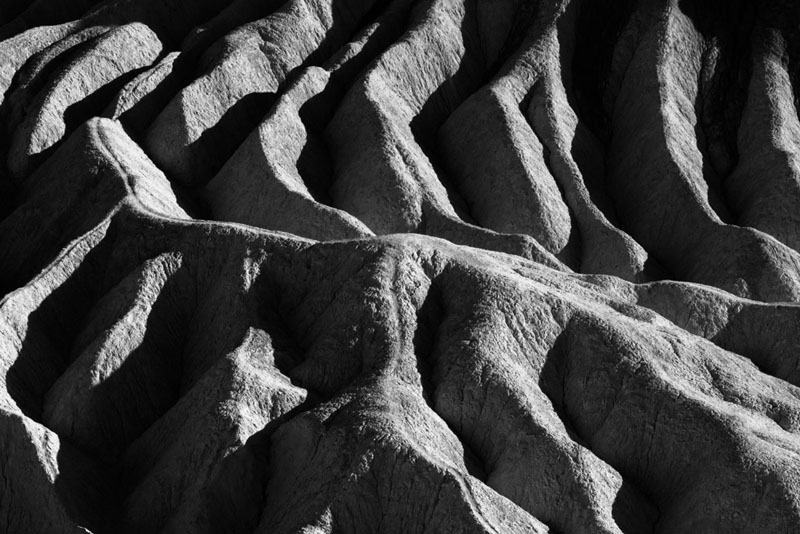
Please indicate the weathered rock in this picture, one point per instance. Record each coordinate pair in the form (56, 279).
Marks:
(495, 144)
(15, 51)
(269, 165)
(42, 13)
(243, 71)
(109, 57)
(96, 170)
(265, 170)
(33, 77)
(139, 102)
(279, 367)
(765, 186)
(671, 212)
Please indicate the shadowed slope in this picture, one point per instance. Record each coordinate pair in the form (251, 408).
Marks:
(598, 334)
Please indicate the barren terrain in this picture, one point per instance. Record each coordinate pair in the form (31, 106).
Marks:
(400, 266)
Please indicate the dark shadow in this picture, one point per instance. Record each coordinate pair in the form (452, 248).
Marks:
(593, 29)
(172, 21)
(94, 103)
(83, 485)
(11, 9)
(45, 352)
(271, 312)
(342, 30)
(710, 175)
(90, 207)
(159, 367)
(598, 27)
(552, 382)
(8, 199)
(315, 164)
(141, 115)
(218, 142)
(473, 72)
(773, 350)
(427, 345)
(236, 498)
(49, 347)
(633, 510)
(722, 96)
(221, 140)
(151, 374)
(587, 150)
(197, 206)
(289, 345)
(234, 15)
(90, 106)
(34, 75)
(83, 492)
(88, 489)
(17, 16)
(654, 270)
(429, 321)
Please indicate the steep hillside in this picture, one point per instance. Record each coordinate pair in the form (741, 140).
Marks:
(400, 266)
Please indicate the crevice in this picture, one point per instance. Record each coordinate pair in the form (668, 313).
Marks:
(222, 139)
(52, 330)
(585, 143)
(552, 382)
(237, 497)
(93, 104)
(194, 205)
(155, 368)
(711, 177)
(89, 489)
(219, 141)
(290, 347)
(524, 18)
(633, 505)
(457, 88)
(572, 252)
(429, 321)
(286, 344)
(723, 83)
(316, 164)
(76, 114)
(430, 317)
(141, 115)
(333, 41)
(598, 28)
(35, 74)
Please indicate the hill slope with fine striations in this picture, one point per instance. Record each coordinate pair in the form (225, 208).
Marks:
(414, 266)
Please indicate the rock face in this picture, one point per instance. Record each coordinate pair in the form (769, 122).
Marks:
(412, 266)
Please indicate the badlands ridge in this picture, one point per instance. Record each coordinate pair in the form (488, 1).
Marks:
(400, 266)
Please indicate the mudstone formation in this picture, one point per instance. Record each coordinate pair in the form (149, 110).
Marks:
(400, 266)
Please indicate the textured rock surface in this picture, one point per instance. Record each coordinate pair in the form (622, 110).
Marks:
(408, 266)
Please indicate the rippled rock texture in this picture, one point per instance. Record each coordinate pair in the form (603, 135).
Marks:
(400, 266)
